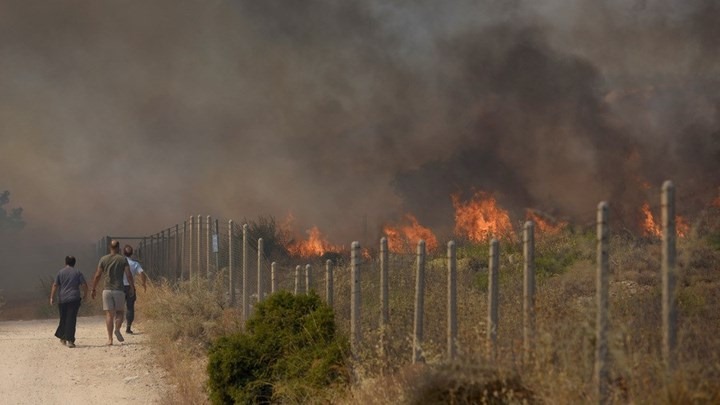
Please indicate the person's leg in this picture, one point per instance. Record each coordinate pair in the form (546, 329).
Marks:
(130, 299)
(119, 297)
(60, 331)
(71, 321)
(119, 317)
(109, 325)
(110, 306)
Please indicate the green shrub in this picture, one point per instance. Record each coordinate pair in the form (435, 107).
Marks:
(289, 352)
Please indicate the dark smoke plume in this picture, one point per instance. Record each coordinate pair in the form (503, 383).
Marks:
(127, 117)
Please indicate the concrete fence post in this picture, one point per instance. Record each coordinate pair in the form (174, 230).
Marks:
(161, 253)
(297, 279)
(169, 253)
(355, 331)
(260, 286)
(528, 290)
(308, 279)
(208, 246)
(273, 278)
(493, 298)
(452, 327)
(158, 254)
(329, 282)
(384, 288)
(178, 255)
(245, 271)
(419, 304)
(191, 247)
(669, 310)
(216, 247)
(166, 253)
(183, 244)
(199, 247)
(231, 263)
(603, 267)
(167, 258)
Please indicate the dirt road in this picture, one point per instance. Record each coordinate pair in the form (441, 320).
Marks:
(36, 369)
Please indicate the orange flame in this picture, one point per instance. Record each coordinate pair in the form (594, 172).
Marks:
(681, 226)
(315, 245)
(404, 238)
(544, 224)
(651, 227)
(480, 218)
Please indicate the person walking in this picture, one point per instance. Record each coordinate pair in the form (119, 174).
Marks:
(111, 269)
(131, 296)
(68, 283)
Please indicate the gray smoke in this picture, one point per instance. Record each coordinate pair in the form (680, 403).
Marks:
(127, 117)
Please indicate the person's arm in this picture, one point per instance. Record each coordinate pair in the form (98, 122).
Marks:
(143, 280)
(96, 280)
(53, 290)
(130, 279)
(84, 288)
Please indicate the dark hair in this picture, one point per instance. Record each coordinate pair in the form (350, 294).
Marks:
(70, 260)
(128, 250)
(114, 244)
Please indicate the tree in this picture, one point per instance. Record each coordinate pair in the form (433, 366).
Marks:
(12, 221)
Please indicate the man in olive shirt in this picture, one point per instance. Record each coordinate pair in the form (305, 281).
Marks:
(111, 268)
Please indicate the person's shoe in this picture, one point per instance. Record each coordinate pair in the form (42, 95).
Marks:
(63, 342)
(119, 336)
(70, 344)
(129, 331)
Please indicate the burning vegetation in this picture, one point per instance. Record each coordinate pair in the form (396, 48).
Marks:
(477, 220)
(480, 218)
(313, 246)
(405, 236)
(653, 228)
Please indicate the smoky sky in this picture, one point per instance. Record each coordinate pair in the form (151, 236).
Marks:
(127, 117)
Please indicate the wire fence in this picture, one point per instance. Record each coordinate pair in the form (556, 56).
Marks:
(383, 300)
(387, 316)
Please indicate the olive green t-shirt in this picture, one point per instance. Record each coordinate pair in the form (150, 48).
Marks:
(113, 268)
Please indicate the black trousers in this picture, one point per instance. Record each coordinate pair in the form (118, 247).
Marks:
(130, 301)
(68, 320)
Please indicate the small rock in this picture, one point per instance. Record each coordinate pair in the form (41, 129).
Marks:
(128, 379)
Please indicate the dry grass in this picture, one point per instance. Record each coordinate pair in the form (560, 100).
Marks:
(181, 321)
(561, 368)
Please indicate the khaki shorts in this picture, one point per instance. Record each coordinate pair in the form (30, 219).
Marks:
(113, 300)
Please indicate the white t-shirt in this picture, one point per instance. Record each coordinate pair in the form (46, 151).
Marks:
(135, 269)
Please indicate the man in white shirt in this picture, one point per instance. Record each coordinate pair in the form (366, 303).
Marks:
(130, 295)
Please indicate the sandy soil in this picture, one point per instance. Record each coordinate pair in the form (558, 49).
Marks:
(36, 369)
